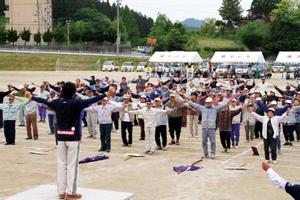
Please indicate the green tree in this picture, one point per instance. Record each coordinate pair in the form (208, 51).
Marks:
(254, 35)
(209, 28)
(263, 8)
(159, 31)
(231, 11)
(25, 35)
(2, 7)
(3, 36)
(37, 38)
(175, 40)
(59, 34)
(12, 36)
(81, 31)
(284, 32)
(101, 24)
(47, 37)
(123, 30)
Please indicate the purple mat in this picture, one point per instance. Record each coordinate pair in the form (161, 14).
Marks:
(183, 168)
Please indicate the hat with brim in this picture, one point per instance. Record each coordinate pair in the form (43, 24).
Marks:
(126, 97)
(208, 100)
(157, 99)
(273, 103)
(288, 101)
(271, 110)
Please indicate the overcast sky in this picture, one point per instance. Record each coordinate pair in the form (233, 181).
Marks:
(180, 9)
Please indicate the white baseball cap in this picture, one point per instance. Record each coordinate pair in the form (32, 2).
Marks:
(208, 100)
(273, 103)
(288, 101)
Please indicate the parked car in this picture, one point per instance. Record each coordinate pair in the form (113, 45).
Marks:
(293, 68)
(203, 68)
(278, 69)
(109, 66)
(243, 70)
(141, 67)
(127, 67)
(221, 70)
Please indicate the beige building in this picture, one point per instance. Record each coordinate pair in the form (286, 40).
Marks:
(33, 14)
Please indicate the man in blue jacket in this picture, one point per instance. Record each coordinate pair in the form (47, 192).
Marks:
(68, 111)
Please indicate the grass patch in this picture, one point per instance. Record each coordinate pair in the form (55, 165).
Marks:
(218, 43)
(33, 62)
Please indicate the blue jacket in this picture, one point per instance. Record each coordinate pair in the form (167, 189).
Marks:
(278, 111)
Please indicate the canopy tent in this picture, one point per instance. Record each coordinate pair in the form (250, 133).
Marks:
(176, 57)
(288, 57)
(238, 57)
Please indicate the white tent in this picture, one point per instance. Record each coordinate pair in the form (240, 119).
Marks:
(176, 57)
(288, 57)
(238, 57)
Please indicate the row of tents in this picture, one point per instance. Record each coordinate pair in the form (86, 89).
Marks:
(230, 57)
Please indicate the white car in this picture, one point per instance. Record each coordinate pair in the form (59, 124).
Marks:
(127, 67)
(141, 67)
(278, 69)
(293, 68)
(109, 66)
(242, 69)
(221, 70)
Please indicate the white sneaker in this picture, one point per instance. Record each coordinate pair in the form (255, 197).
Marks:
(117, 131)
(274, 162)
(213, 156)
(164, 148)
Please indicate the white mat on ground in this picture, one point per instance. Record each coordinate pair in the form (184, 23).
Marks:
(49, 192)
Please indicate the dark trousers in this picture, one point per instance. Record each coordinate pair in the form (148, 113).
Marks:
(161, 131)
(1, 119)
(51, 123)
(126, 126)
(142, 126)
(10, 131)
(297, 129)
(105, 136)
(175, 126)
(293, 190)
(270, 143)
(115, 118)
(288, 131)
(225, 139)
(258, 130)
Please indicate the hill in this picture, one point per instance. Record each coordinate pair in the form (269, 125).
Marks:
(193, 23)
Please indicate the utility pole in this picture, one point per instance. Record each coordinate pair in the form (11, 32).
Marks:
(68, 22)
(118, 28)
(38, 15)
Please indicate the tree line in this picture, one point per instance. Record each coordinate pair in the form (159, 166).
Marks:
(95, 21)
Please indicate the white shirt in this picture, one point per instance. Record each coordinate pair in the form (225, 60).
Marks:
(276, 179)
(149, 115)
(43, 95)
(104, 112)
(274, 121)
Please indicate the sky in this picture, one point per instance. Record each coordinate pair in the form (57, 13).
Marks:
(179, 10)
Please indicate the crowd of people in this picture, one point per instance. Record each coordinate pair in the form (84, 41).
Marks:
(175, 101)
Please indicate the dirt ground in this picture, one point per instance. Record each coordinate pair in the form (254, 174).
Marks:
(148, 178)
